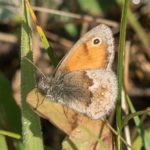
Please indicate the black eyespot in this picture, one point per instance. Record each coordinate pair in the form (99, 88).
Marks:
(96, 41)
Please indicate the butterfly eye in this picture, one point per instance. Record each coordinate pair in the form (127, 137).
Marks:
(96, 41)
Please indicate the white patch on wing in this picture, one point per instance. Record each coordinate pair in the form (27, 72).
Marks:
(104, 90)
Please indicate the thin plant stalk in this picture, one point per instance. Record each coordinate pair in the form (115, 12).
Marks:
(120, 70)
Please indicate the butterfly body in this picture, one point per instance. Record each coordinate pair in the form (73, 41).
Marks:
(84, 81)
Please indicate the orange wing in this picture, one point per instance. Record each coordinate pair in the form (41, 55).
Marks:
(87, 55)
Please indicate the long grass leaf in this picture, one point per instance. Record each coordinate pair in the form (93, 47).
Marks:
(120, 68)
(32, 136)
(42, 35)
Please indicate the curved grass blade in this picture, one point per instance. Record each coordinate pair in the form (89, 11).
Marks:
(131, 116)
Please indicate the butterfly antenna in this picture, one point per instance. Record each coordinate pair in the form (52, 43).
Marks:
(35, 66)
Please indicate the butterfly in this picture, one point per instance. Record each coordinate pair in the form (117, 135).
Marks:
(84, 80)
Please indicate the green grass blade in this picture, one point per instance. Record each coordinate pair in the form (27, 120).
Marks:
(144, 137)
(18, 145)
(42, 35)
(47, 46)
(137, 143)
(3, 144)
(134, 114)
(120, 68)
(8, 115)
(31, 128)
(10, 134)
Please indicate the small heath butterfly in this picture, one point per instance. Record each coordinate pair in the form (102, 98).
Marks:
(84, 80)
